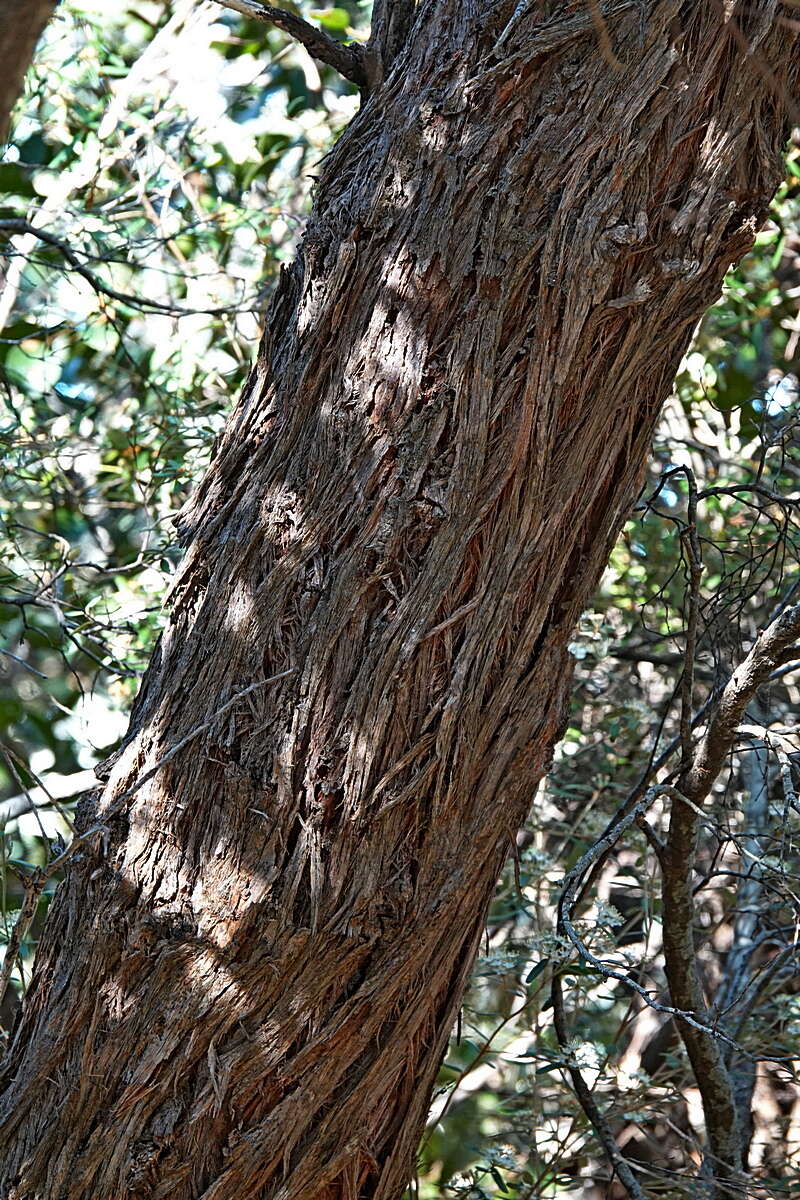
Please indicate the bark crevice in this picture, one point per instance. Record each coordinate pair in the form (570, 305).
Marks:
(408, 510)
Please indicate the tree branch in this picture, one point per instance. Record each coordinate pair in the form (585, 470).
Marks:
(391, 23)
(697, 778)
(347, 60)
(34, 883)
(116, 802)
(47, 792)
(17, 225)
(618, 1161)
(695, 566)
(767, 653)
(708, 1046)
(20, 28)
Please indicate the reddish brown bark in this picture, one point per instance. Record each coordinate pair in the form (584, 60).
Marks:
(21, 26)
(250, 993)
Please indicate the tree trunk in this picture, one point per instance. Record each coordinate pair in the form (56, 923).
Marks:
(249, 992)
(21, 26)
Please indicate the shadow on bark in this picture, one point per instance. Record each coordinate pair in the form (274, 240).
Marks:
(250, 994)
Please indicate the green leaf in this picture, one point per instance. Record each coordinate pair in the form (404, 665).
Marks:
(332, 18)
(498, 1178)
(536, 970)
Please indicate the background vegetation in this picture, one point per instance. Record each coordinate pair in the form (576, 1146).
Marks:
(159, 174)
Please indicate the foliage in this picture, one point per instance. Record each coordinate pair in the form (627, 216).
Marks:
(159, 176)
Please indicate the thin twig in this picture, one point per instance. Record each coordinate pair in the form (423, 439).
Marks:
(16, 225)
(587, 1101)
(569, 897)
(695, 782)
(34, 883)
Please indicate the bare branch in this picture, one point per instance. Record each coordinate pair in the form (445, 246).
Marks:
(34, 883)
(588, 1103)
(569, 897)
(695, 561)
(16, 225)
(20, 28)
(47, 793)
(117, 802)
(766, 654)
(347, 60)
(726, 1135)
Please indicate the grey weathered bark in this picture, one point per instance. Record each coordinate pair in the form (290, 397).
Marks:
(249, 993)
(21, 26)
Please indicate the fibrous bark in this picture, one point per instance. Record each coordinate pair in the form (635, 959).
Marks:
(249, 993)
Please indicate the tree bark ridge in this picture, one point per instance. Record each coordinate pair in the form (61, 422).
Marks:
(447, 422)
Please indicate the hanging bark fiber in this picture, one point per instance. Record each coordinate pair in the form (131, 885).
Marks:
(249, 991)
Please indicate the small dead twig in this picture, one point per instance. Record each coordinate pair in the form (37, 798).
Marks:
(117, 802)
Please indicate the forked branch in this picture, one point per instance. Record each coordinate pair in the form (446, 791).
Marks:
(707, 1044)
(772, 647)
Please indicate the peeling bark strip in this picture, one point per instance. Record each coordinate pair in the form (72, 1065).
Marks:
(249, 996)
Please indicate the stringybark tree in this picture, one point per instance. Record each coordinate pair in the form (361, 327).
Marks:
(244, 989)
